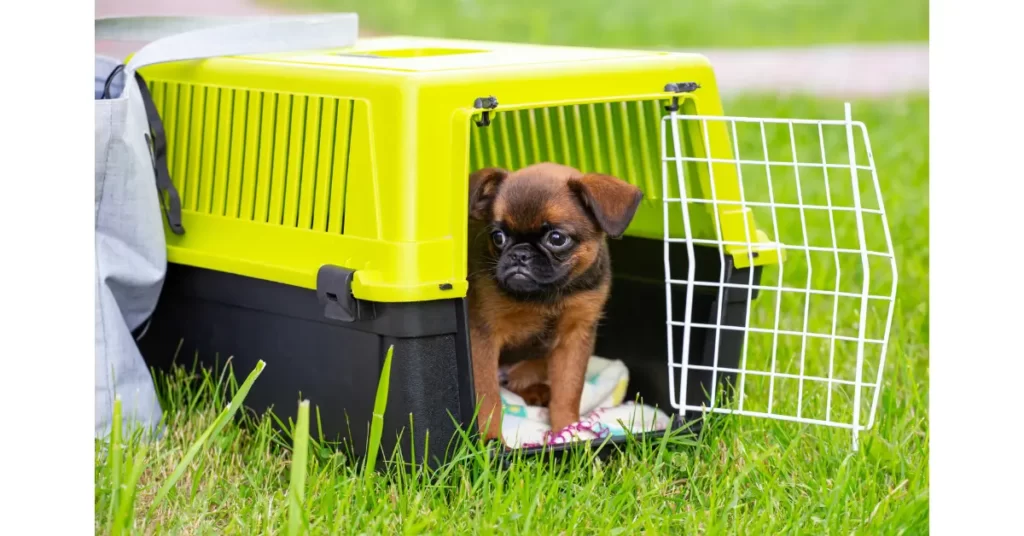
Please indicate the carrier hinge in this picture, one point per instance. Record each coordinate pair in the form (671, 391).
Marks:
(679, 87)
(486, 104)
(334, 290)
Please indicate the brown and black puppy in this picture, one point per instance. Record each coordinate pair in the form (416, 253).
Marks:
(539, 277)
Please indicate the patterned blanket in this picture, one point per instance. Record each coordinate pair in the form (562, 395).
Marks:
(603, 411)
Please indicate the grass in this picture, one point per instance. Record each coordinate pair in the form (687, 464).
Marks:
(744, 476)
(646, 23)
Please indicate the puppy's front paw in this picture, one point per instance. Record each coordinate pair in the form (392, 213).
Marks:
(538, 394)
(523, 374)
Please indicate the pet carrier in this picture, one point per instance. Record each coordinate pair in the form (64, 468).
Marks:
(324, 195)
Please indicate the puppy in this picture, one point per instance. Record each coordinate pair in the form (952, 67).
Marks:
(539, 279)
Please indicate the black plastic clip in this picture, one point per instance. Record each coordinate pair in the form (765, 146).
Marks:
(679, 87)
(487, 104)
(334, 290)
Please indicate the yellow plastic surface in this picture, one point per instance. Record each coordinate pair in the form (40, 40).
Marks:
(361, 157)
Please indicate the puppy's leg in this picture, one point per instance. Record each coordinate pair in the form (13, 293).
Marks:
(485, 377)
(528, 380)
(567, 369)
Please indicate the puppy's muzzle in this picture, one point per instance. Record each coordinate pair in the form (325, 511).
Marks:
(516, 270)
(521, 255)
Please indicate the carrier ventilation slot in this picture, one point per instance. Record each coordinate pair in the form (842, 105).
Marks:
(258, 156)
(619, 138)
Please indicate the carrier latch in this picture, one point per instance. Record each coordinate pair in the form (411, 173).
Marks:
(679, 87)
(334, 289)
(487, 104)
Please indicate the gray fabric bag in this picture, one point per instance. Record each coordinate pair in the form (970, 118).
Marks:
(134, 193)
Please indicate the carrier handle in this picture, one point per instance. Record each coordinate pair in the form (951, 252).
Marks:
(178, 38)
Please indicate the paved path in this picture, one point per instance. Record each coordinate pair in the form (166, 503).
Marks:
(839, 71)
(829, 71)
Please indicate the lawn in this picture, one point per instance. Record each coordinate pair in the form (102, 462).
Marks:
(645, 23)
(743, 476)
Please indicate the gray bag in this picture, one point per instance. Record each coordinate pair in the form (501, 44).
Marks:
(134, 192)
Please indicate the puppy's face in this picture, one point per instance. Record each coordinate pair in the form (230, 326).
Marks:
(545, 226)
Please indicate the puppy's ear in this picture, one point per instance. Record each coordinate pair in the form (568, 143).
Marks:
(612, 201)
(483, 187)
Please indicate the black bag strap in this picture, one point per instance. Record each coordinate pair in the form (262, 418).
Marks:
(172, 208)
(157, 142)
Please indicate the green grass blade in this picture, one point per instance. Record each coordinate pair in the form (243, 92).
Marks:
(126, 508)
(297, 487)
(224, 417)
(379, 406)
(114, 458)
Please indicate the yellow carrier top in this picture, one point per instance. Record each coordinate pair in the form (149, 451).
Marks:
(360, 157)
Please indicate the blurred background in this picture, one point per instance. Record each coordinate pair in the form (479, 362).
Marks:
(843, 48)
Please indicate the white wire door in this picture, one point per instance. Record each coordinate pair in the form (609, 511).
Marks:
(793, 213)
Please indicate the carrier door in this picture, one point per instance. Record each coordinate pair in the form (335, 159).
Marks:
(799, 202)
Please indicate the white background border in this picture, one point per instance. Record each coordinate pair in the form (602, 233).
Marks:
(977, 190)
(46, 255)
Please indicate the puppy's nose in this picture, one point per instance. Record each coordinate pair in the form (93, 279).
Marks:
(520, 256)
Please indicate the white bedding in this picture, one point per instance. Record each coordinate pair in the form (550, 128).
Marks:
(603, 411)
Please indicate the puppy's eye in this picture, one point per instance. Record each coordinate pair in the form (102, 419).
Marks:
(498, 238)
(557, 240)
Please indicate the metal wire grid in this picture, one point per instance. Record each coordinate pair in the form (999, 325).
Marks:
(870, 265)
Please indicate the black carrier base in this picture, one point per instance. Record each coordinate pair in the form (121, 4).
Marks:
(335, 364)
(335, 360)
